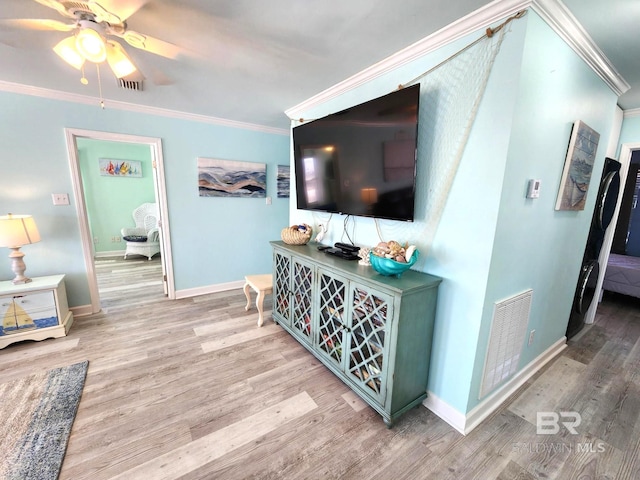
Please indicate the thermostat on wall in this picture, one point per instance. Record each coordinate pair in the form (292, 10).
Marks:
(534, 189)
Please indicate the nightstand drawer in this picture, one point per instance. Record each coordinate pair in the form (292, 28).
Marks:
(34, 311)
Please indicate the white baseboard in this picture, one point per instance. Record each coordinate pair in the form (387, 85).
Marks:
(110, 253)
(446, 412)
(466, 423)
(220, 287)
(81, 311)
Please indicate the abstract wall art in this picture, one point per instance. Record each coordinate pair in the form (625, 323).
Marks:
(230, 178)
(283, 181)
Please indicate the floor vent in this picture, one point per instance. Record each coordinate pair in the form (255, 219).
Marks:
(130, 84)
(506, 339)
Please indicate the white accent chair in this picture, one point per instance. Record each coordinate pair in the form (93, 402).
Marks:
(144, 238)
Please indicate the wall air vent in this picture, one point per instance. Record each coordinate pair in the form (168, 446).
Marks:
(506, 339)
(130, 84)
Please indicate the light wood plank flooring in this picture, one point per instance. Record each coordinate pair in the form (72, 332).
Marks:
(193, 389)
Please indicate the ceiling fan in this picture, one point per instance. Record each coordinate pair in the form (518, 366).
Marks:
(93, 28)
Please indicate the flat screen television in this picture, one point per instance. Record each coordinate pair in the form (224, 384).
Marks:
(362, 160)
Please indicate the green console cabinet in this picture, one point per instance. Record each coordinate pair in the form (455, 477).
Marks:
(373, 332)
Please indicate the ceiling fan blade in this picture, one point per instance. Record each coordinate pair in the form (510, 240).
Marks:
(104, 15)
(152, 45)
(122, 9)
(38, 24)
(56, 5)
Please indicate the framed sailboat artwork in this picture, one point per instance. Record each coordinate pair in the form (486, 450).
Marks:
(578, 165)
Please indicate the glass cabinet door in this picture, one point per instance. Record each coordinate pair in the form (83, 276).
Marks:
(301, 293)
(371, 315)
(331, 323)
(282, 289)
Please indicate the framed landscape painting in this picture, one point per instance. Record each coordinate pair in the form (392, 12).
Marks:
(283, 181)
(230, 178)
(576, 175)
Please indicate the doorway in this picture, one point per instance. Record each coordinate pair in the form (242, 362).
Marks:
(73, 136)
(624, 158)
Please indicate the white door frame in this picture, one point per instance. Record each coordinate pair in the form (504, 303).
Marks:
(155, 145)
(626, 151)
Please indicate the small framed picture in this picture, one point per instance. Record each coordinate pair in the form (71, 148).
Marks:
(110, 167)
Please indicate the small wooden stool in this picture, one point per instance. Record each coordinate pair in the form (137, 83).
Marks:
(262, 284)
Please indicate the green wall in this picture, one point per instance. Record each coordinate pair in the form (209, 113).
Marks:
(111, 200)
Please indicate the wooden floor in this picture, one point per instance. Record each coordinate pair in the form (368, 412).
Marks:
(192, 389)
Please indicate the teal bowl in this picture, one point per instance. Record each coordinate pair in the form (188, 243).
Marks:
(391, 268)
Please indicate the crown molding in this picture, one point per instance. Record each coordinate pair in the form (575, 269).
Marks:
(553, 12)
(562, 21)
(490, 13)
(131, 107)
(632, 112)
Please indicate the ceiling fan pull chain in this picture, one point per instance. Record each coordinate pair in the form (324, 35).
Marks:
(100, 86)
(83, 79)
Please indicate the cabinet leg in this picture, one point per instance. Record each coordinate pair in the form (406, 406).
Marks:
(388, 423)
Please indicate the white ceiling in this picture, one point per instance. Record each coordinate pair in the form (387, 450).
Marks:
(250, 60)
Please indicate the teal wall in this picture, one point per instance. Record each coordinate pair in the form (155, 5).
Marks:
(536, 246)
(630, 132)
(111, 200)
(213, 240)
(493, 243)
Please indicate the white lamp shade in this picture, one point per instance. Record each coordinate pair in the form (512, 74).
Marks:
(91, 45)
(18, 230)
(66, 49)
(118, 60)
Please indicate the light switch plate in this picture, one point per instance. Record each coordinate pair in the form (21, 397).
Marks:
(60, 198)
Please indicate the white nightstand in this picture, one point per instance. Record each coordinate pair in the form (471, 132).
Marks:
(34, 310)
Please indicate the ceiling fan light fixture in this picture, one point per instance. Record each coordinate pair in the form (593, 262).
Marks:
(91, 45)
(118, 60)
(66, 49)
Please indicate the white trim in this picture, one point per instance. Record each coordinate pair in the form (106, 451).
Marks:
(632, 112)
(553, 12)
(131, 107)
(607, 242)
(155, 145)
(83, 223)
(81, 311)
(220, 287)
(482, 17)
(446, 412)
(562, 21)
(109, 253)
(466, 423)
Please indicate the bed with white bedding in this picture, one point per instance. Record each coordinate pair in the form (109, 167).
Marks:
(622, 275)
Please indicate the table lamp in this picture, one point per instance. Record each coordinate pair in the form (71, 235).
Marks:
(16, 231)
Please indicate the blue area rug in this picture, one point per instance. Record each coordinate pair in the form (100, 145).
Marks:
(36, 414)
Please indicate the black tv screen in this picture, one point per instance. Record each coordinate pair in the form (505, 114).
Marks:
(362, 160)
